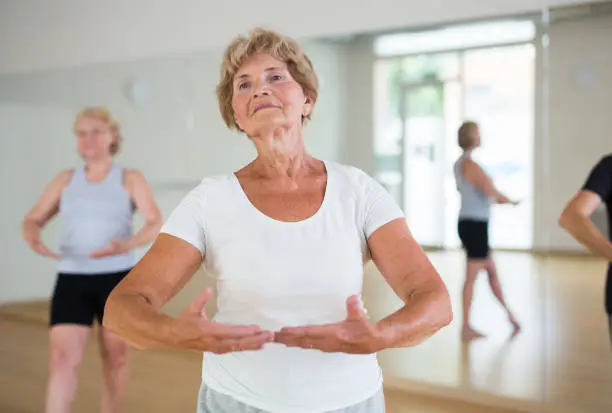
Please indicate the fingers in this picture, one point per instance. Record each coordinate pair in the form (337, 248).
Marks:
(287, 338)
(230, 331)
(199, 304)
(300, 337)
(303, 342)
(324, 331)
(350, 336)
(329, 344)
(101, 253)
(254, 342)
(307, 331)
(354, 308)
(118, 246)
(308, 337)
(43, 250)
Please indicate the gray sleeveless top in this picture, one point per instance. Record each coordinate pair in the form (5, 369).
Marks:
(474, 202)
(92, 215)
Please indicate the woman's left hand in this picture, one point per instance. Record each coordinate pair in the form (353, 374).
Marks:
(357, 334)
(115, 248)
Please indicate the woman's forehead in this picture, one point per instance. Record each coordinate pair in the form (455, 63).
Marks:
(260, 62)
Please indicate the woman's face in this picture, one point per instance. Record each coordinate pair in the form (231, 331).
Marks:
(475, 137)
(267, 97)
(94, 138)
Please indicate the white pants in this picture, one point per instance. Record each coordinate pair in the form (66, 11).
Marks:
(210, 401)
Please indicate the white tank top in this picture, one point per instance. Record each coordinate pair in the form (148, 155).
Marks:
(275, 274)
(475, 203)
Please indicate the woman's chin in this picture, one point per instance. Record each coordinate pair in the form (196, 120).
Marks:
(92, 155)
(270, 126)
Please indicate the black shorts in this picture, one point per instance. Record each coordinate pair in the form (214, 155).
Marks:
(79, 298)
(474, 236)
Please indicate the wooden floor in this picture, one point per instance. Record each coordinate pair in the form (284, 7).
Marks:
(561, 362)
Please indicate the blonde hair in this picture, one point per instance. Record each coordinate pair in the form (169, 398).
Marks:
(276, 45)
(104, 115)
(465, 137)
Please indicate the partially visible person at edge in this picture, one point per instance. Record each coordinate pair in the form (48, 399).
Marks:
(477, 192)
(286, 237)
(96, 203)
(576, 220)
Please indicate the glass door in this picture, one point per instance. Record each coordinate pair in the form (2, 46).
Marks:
(423, 136)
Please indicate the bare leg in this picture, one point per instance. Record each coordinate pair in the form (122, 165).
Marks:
(610, 326)
(497, 291)
(473, 267)
(114, 353)
(68, 343)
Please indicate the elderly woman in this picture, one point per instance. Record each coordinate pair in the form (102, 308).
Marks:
(477, 193)
(286, 238)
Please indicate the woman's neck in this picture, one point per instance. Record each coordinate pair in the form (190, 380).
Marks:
(281, 155)
(99, 166)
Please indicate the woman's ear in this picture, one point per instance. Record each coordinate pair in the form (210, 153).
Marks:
(307, 109)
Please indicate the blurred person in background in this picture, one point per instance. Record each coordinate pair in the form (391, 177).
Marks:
(477, 193)
(96, 203)
(576, 220)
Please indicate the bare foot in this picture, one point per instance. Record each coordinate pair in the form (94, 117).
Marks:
(468, 333)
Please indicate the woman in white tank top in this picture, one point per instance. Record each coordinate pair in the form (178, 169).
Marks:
(96, 203)
(286, 238)
(477, 192)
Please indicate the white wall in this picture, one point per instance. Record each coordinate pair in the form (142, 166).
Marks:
(36, 35)
(30, 149)
(175, 139)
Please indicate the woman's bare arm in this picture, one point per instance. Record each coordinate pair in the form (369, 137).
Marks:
(477, 177)
(43, 211)
(144, 200)
(576, 219)
(414, 279)
(133, 309)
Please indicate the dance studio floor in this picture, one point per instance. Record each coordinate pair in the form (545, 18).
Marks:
(560, 362)
(562, 358)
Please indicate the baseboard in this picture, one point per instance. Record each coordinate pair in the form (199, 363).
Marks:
(540, 252)
(464, 395)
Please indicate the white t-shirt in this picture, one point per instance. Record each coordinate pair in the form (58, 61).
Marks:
(275, 274)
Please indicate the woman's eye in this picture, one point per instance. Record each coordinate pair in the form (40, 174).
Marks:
(243, 85)
(275, 77)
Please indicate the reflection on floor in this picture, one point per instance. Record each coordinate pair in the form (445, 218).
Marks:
(561, 358)
(561, 361)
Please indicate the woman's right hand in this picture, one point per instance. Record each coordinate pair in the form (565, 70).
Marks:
(193, 330)
(32, 237)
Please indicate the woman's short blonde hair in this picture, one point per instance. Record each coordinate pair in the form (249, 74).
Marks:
(276, 45)
(465, 135)
(104, 115)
